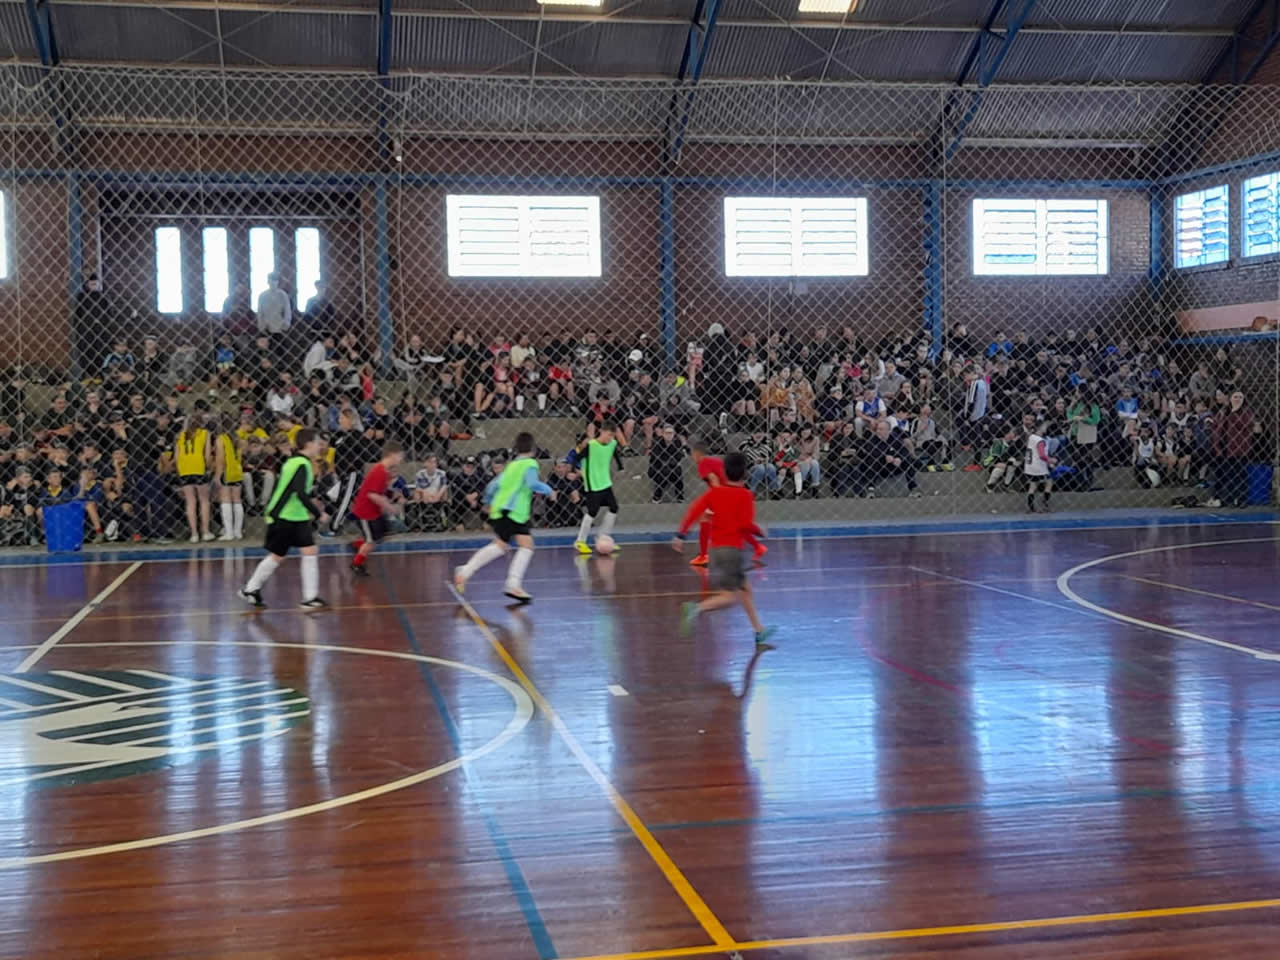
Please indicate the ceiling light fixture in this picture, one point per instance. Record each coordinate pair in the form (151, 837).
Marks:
(830, 7)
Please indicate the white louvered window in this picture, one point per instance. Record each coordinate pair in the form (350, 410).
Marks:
(1261, 203)
(494, 236)
(795, 237)
(1051, 237)
(1201, 227)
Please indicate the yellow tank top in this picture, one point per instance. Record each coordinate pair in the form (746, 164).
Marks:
(232, 470)
(189, 452)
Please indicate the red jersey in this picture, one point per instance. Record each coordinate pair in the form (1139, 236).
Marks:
(376, 481)
(709, 467)
(733, 515)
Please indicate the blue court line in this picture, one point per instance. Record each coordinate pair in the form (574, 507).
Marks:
(515, 877)
(915, 528)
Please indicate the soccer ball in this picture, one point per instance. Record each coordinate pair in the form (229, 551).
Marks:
(604, 545)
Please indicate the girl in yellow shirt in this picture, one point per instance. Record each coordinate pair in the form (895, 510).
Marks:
(193, 456)
(229, 470)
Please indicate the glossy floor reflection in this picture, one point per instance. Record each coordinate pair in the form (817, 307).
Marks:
(945, 742)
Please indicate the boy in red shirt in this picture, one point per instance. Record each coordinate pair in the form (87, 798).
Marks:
(733, 522)
(372, 506)
(711, 471)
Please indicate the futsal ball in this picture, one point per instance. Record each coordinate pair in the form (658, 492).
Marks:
(604, 545)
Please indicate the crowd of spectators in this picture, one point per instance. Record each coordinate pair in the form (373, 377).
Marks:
(144, 436)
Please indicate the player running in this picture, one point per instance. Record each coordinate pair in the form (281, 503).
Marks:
(373, 506)
(711, 471)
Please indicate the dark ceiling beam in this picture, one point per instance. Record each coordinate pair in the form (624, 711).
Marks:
(41, 18)
(1248, 50)
(986, 55)
(692, 62)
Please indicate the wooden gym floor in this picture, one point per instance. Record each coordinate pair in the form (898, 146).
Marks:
(985, 746)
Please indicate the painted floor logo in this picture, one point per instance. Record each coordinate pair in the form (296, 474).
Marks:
(74, 726)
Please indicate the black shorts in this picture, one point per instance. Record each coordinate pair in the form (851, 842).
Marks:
(727, 568)
(194, 480)
(230, 483)
(284, 534)
(506, 529)
(601, 498)
(374, 531)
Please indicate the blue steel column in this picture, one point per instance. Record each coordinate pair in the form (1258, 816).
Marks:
(933, 266)
(667, 208)
(382, 261)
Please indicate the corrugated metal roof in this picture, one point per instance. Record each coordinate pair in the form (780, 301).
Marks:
(15, 31)
(1142, 114)
(134, 34)
(762, 52)
(898, 56)
(611, 49)
(475, 45)
(1107, 59)
(968, 12)
(292, 39)
(1170, 13)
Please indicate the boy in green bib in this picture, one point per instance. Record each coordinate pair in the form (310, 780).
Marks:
(510, 500)
(595, 461)
(289, 515)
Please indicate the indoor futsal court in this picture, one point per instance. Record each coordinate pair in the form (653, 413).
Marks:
(1045, 743)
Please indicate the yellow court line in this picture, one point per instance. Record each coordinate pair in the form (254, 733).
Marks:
(683, 888)
(1203, 593)
(918, 933)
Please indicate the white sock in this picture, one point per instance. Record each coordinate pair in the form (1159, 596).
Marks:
(519, 564)
(606, 525)
(228, 523)
(542, 401)
(584, 529)
(799, 483)
(520, 403)
(237, 520)
(481, 558)
(263, 573)
(310, 576)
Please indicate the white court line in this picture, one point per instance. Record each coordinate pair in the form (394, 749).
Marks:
(1064, 587)
(618, 690)
(166, 677)
(42, 688)
(35, 655)
(112, 731)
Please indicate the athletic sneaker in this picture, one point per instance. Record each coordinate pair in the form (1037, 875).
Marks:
(459, 581)
(699, 561)
(253, 598)
(763, 638)
(582, 548)
(518, 595)
(315, 603)
(360, 569)
(207, 538)
(761, 550)
(688, 617)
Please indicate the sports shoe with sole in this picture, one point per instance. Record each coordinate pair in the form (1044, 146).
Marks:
(360, 569)
(459, 582)
(699, 561)
(315, 603)
(519, 596)
(582, 547)
(253, 598)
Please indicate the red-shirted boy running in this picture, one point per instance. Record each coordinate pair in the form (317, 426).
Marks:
(711, 471)
(372, 506)
(733, 520)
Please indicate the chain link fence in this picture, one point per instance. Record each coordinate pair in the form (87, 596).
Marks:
(897, 301)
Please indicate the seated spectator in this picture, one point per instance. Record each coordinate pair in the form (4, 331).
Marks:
(1000, 345)
(530, 386)
(869, 411)
(21, 500)
(89, 492)
(760, 468)
(57, 422)
(467, 491)
(666, 465)
(844, 458)
(974, 423)
(746, 396)
(430, 498)
(54, 494)
(119, 360)
(1003, 460)
(831, 410)
(926, 439)
(644, 404)
(1146, 465)
(564, 507)
(523, 352)
(807, 472)
(1203, 385)
(884, 456)
(887, 386)
(318, 358)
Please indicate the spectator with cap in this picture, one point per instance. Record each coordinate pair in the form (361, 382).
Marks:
(564, 508)
(467, 495)
(19, 501)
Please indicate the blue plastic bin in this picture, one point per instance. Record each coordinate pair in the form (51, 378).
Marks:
(64, 527)
(1260, 477)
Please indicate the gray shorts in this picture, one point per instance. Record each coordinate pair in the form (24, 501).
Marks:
(727, 568)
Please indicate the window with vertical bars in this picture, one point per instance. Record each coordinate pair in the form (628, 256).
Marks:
(523, 236)
(795, 237)
(306, 249)
(169, 299)
(1261, 214)
(217, 270)
(1202, 227)
(1048, 237)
